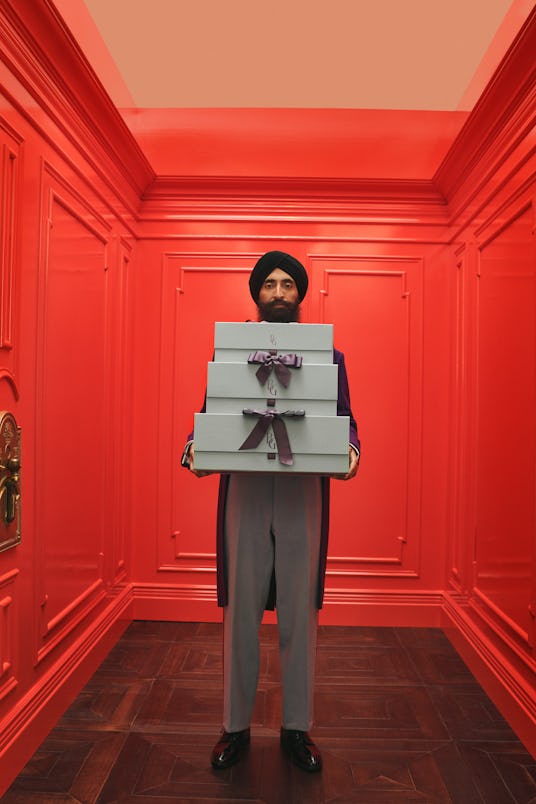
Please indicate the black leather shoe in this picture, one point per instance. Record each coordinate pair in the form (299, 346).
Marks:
(301, 750)
(229, 748)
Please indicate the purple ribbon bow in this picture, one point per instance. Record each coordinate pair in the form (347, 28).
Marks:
(274, 418)
(271, 360)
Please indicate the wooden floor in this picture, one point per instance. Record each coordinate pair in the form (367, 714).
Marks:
(399, 718)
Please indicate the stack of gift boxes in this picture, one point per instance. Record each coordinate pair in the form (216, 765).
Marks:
(272, 402)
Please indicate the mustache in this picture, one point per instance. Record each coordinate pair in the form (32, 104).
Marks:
(279, 303)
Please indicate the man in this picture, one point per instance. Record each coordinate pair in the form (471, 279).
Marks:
(271, 549)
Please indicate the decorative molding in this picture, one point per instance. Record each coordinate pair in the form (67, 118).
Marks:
(175, 591)
(507, 673)
(207, 592)
(10, 210)
(502, 218)
(341, 606)
(66, 621)
(260, 198)
(6, 375)
(92, 593)
(176, 267)
(59, 197)
(507, 648)
(77, 203)
(500, 121)
(497, 619)
(460, 447)
(119, 422)
(402, 552)
(505, 304)
(337, 567)
(55, 73)
(371, 233)
(8, 682)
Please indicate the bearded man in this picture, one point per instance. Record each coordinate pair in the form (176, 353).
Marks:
(271, 552)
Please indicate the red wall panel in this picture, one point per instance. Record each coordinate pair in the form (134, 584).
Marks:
(8, 632)
(197, 291)
(490, 600)
(376, 304)
(64, 252)
(71, 398)
(11, 149)
(489, 606)
(505, 550)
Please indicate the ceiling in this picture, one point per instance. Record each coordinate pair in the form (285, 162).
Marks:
(338, 88)
(355, 54)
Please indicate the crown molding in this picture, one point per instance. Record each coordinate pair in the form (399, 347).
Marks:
(500, 121)
(274, 197)
(41, 52)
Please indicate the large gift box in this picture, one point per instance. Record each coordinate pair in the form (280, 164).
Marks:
(272, 402)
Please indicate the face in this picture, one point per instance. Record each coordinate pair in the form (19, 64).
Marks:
(278, 298)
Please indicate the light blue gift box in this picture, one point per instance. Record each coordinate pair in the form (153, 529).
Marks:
(318, 438)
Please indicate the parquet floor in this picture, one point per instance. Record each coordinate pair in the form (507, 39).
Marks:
(399, 718)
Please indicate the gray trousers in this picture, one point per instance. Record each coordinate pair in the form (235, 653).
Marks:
(271, 521)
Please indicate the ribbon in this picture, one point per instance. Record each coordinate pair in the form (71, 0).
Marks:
(274, 418)
(270, 361)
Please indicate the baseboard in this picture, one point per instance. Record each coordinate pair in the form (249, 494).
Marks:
(175, 602)
(31, 719)
(341, 607)
(384, 608)
(508, 675)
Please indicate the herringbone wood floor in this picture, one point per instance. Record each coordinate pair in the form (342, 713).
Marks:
(399, 718)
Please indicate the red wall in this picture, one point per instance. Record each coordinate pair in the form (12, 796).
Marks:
(111, 281)
(386, 299)
(66, 250)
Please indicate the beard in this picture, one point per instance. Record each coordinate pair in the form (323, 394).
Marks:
(279, 312)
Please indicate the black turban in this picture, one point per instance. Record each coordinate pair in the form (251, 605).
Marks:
(278, 259)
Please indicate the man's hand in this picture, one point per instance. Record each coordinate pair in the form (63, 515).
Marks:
(193, 470)
(354, 466)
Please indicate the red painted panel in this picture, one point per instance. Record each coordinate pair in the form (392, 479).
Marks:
(10, 217)
(71, 463)
(376, 306)
(506, 471)
(9, 638)
(197, 291)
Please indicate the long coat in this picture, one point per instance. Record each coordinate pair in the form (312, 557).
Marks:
(343, 409)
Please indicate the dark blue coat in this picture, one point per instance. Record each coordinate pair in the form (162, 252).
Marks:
(343, 409)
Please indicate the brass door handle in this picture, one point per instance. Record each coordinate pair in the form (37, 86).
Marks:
(10, 465)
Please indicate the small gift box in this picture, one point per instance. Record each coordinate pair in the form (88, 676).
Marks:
(233, 343)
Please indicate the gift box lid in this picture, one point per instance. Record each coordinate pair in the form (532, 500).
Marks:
(233, 342)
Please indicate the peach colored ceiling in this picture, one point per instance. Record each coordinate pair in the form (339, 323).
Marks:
(304, 88)
(357, 54)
